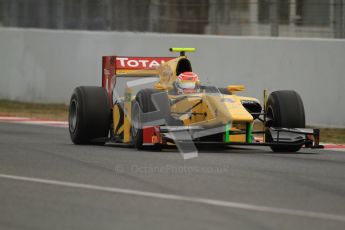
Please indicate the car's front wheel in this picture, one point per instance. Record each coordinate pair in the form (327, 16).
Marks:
(143, 104)
(285, 109)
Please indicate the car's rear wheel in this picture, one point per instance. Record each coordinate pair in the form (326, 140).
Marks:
(284, 109)
(89, 115)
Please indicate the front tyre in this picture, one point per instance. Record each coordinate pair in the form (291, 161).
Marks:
(89, 115)
(136, 127)
(143, 104)
(285, 109)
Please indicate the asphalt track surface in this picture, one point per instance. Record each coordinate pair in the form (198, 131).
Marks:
(46, 182)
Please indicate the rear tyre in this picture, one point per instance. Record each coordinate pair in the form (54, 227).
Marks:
(89, 115)
(285, 109)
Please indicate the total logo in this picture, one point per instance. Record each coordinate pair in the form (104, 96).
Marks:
(139, 62)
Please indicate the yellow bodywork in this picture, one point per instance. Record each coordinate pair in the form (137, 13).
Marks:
(214, 110)
(167, 73)
(200, 109)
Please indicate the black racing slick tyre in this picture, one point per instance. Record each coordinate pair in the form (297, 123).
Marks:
(89, 115)
(285, 109)
(141, 105)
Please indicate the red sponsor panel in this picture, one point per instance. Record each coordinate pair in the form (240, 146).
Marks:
(151, 135)
(112, 63)
(137, 63)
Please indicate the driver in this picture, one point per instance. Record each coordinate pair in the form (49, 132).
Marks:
(187, 82)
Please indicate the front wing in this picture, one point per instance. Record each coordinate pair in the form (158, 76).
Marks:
(152, 135)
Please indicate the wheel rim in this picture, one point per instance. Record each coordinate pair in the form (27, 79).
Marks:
(72, 118)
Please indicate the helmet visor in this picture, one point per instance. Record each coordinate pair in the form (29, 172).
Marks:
(187, 84)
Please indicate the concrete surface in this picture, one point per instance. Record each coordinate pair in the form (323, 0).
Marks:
(312, 181)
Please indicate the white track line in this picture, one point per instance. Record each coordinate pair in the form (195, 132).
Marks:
(228, 204)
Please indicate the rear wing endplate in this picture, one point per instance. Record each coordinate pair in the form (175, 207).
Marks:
(116, 66)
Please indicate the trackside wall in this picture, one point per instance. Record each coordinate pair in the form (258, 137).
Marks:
(46, 65)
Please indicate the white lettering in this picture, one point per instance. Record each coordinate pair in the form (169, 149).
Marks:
(133, 63)
(143, 62)
(122, 61)
(153, 63)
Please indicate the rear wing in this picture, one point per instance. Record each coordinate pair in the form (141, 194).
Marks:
(117, 66)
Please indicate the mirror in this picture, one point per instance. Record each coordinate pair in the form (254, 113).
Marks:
(235, 88)
(159, 86)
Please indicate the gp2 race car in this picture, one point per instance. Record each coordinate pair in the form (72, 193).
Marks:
(158, 116)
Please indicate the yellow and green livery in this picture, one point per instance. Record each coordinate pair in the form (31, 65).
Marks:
(158, 116)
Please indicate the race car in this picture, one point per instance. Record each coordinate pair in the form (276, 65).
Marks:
(178, 109)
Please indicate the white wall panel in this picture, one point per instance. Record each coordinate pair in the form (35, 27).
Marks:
(46, 65)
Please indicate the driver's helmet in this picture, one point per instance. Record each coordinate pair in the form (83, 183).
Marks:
(187, 82)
